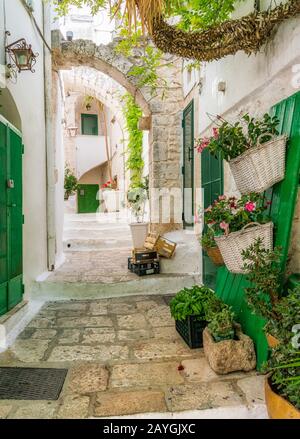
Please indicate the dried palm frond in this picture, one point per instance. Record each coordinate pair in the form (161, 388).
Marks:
(140, 10)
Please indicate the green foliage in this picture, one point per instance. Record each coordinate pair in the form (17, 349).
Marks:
(264, 273)
(221, 325)
(134, 163)
(286, 314)
(207, 240)
(191, 302)
(232, 140)
(284, 365)
(228, 214)
(71, 182)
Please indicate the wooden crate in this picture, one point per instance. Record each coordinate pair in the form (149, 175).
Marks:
(151, 241)
(143, 255)
(165, 247)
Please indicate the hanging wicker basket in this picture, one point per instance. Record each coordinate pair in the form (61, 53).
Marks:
(232, 246)
(260, 167)
(215, 256)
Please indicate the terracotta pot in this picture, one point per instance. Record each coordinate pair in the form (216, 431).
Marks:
(139, 232)
(215, 255)
(278, 407)
(272, 341)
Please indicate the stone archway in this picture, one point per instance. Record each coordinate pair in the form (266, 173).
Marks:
(165, 132)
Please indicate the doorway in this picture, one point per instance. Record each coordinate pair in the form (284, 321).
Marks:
(11, 217)
(188, 165)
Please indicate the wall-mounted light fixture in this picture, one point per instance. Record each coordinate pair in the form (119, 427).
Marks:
(21, 56)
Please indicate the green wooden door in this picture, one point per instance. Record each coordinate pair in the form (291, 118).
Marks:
(230, 287)
(188, 165)
(11, 217)
(212, 186)
(87, 196)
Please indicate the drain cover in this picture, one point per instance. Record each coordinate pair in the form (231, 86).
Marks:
(31, 384)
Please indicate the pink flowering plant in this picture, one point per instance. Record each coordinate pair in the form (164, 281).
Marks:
(231, 140)
(229, 214)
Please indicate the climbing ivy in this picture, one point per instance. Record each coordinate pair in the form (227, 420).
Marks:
(132, 114)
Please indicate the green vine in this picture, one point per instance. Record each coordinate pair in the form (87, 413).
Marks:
(132, 114)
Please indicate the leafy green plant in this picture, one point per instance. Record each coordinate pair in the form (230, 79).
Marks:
(232, 140)
(207, 240)
(137, 197)
(221, 325)
(132, 114)
(286, 314)
(284, 366)
(264, 273)
(71, 183)
(191, 302)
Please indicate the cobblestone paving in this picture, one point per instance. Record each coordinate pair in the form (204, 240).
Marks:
(123, 357)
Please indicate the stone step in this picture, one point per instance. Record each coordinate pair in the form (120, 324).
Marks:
(150, 285)
(72, 245)
(96, 225)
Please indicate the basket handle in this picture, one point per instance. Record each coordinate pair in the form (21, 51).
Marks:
(272, 137)
(251, 224)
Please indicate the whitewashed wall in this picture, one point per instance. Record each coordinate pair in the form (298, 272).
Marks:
(28, 94)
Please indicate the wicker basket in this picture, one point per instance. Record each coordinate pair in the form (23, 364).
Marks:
(260, 167)
(231, 246)
(215, 256)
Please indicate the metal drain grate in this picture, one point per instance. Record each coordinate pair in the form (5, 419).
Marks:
(31, 384)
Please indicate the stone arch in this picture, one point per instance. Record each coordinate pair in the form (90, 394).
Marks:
(9, 109)
(165, 131)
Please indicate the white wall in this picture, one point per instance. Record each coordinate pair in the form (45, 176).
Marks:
(90, 152)
(28, 94)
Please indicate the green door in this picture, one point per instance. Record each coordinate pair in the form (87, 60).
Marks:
(87, 196)
(188, 165)
(212, 186)
(230, 287)
(11, 217)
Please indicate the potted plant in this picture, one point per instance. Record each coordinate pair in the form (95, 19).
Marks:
(110, 195)
(210, 247)
(282, 385)
(226, 348)
(70, 184)
(188, 308)
(137, 198)
(253, 149)
(236, 223)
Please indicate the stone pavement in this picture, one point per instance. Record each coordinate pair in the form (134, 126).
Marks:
(123, 357)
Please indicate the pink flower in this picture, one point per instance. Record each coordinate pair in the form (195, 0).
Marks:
(216, 133)
(250, 206)
(224, 226)
(202, 144)
(208, 209)
(222, 197)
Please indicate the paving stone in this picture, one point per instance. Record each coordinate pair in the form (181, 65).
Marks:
(4, 411)
(88, 353)
(71, 313)
(166, 332)
(127, 403)
(146, 305)
(84, 322)
(121, 308)
(42, 322)
(98, 335)
(143, 375)
(27, 333)
(132, 321)
(87, 378)
(69, 336)
(253, 388)
(160, 316)
(30, 350)
(74, 407)
(35, 410)
(44, 334)
(58, 306)
(198, 370)
(139, 334)
(202, 396)
(161, 349)
(98, 309)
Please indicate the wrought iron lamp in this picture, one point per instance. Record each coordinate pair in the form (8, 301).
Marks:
(21, 56)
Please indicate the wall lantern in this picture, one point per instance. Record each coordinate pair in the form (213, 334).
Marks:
(88, 106)
(21, 56)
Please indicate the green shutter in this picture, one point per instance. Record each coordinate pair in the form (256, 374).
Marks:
(230, 287)
(89, 124)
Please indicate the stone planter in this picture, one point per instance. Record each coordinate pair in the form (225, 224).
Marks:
(229, 355)
(278, 407)
(112, 200)
(139, 232)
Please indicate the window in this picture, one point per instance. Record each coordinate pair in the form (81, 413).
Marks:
(89, 124)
